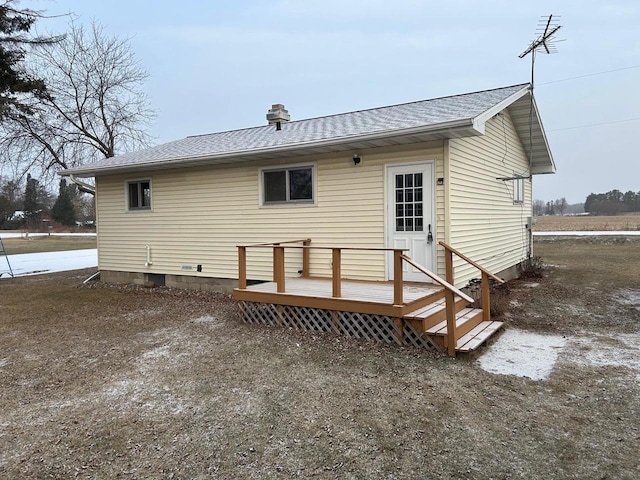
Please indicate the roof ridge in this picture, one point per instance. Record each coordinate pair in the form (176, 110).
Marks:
(362, 110)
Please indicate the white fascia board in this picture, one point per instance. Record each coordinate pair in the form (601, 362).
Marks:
(498, 107)
(544, 138)
(229, 157)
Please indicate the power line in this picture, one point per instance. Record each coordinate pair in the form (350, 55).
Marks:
(595, 124)
(590, 75)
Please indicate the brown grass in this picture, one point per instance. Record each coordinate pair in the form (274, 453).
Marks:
(35, 244)
(586, 280)
(587, 223)
(157, 383)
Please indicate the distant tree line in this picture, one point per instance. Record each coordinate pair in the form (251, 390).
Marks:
(559, 206)
(612, 202)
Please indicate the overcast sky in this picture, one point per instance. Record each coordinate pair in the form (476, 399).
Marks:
(219, 65)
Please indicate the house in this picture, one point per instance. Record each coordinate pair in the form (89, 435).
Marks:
(455, 169)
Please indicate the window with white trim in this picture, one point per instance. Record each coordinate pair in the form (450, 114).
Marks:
(139, 195)
(518, 189)
(288, 185)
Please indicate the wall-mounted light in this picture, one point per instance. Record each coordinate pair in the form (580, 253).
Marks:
(440, 181)
(356, 159)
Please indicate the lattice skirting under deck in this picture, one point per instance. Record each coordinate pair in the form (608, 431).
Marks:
(367, 326)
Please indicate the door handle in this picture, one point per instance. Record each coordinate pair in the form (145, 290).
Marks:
(430, 235)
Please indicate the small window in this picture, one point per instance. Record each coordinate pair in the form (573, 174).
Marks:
(288, 185)
(139, 195)
(518, 189)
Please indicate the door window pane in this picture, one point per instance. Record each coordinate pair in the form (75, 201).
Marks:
(408, 195)
(409, 207)
(408, 180)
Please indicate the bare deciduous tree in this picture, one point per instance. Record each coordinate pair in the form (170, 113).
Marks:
(94, 106)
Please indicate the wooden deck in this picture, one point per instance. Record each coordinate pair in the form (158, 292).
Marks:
(424, 309)
(437, 316)
(356, 296)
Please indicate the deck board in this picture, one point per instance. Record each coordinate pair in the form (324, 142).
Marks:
(354, 290)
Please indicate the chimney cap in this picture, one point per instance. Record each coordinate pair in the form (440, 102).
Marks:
(277, 113)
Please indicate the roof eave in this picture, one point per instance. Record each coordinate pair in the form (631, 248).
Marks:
(465, 127)
(539, 155)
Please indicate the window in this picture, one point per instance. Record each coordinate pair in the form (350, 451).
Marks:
(518, 189)
(139, 194)
(288, 185)
(409, 214)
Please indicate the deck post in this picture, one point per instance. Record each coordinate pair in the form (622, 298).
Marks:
(448, 260)
(451, 322)
(336, 260)
(305, 257)
(486, 299)
(242, 267)
(397, 277)
(278, 267)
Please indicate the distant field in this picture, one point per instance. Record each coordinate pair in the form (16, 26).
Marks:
(587, 223)
(16, 246)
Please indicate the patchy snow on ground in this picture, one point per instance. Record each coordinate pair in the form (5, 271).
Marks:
(524, 354)
(627, 296)
(621, 350)
(4, 234)
(594, 233)
(533, 355)
(48, 262)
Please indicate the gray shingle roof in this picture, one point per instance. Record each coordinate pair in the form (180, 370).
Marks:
(362, 123)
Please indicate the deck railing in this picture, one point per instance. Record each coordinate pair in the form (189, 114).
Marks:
(450, 291)
(336, 264)
(485, 301)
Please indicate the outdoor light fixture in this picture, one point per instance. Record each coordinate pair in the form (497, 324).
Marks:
(356, 159)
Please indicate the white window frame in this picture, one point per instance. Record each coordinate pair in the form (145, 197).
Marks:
(129, 208)
(518, 189)
(287, 167)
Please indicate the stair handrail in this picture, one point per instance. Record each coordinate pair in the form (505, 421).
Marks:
(449, 248)
(449, 298)
(437, 279)
(486, 275)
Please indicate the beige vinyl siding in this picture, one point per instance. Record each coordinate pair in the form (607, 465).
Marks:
(199, 215)
(485, 223)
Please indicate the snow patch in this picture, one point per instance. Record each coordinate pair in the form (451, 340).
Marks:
(594, 233)
(602, 351)
(49, 262)
(524, 354)
(533, 355)
(207, 320)
(626, 296)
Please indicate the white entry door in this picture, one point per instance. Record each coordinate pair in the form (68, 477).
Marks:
(410, 222)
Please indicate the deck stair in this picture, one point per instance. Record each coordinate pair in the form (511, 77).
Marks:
(471, 330)
(437, 316)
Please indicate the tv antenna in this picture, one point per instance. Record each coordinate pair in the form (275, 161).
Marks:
(544, 43)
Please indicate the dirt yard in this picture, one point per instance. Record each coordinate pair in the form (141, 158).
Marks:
(115, 382)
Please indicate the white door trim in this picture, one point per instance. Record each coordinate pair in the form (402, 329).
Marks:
(389, 223)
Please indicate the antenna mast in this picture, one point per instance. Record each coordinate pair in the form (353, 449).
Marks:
(547, 28)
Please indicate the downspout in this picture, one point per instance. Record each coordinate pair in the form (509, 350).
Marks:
(148, 263)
